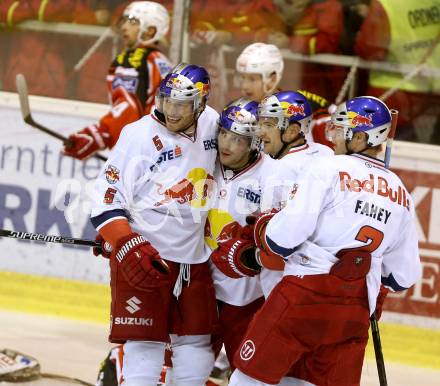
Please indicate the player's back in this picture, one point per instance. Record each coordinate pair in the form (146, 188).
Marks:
(348, 202)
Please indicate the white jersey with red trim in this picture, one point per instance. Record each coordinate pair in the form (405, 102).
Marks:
(348, 202)
(286, 171)
(281, 185)
(161, 181)
(237, 197)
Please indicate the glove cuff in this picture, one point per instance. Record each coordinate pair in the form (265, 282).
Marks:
(98, 136)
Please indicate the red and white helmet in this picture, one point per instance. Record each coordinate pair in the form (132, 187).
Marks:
(149, 14)
(264, 59)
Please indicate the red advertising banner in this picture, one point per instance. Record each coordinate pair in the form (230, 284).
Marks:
(424, 298)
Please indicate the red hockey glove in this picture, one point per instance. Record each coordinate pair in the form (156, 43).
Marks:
(140, 262)
(353, 264)
(236, 258)
(105, 250)
(383, 292)
(266, 257)
(86, 142)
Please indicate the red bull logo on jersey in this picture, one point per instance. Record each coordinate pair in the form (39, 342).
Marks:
(181, 192)
(220, 227)
(194, 189)
(112, 174)
(360, 120)
(375, 184)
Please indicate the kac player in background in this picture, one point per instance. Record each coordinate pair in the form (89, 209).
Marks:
(150, 206)
(133, 78)
(259, 69)
(348, 226)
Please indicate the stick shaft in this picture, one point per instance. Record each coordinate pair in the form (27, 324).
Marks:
(48, 238)
(380, 362)
(23, 95)
(391, 134)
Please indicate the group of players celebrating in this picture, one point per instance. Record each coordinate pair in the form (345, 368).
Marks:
(237, 229)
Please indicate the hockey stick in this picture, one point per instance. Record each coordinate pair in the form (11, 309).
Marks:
(48, 238)
(391, 134)
(22, 90)
(378, 350)
(380, 362)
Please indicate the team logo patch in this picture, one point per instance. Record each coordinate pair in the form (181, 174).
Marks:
(247, 351)
(112, 174)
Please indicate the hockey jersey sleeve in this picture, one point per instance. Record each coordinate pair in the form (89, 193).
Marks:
(297, 220)
(401, 267)
(116, 186)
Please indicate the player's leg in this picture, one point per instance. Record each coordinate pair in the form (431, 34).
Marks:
(234, 321)
(193, 360)
(142, 363)
(194, 319)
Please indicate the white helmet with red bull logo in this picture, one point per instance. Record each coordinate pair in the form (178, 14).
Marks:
(287, 107)
(148, 14)
(364, 114)
(263, 59)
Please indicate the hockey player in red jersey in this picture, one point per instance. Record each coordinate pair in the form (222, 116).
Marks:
(348, 227)
(133, 78)
(259, 68)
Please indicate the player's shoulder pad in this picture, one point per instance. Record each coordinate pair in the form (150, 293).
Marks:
(136, 133)
(208, 120)
(323, 149)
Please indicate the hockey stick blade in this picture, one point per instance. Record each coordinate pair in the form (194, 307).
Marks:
(20, 82)
(48, 238)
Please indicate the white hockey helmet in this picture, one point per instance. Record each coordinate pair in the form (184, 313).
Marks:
(149, 14)
(264, 59)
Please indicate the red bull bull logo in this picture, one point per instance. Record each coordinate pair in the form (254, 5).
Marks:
(112, 174)
(185, 191)
(296, 110)
(181, 192)
(362, 120)
(236, 116)
(174, 83)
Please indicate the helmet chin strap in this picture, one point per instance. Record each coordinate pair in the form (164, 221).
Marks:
(287, 144)
(349, 152)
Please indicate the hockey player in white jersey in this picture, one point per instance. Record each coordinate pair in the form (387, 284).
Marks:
(151, 207)
(284, 120)
(348, 226)
(240, 172)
